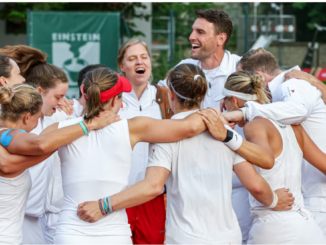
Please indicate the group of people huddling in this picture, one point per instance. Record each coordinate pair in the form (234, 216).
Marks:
(96, 169)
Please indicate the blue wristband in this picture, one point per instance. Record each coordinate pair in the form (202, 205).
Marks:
(84, 128)
(105, 206)
(110, 206)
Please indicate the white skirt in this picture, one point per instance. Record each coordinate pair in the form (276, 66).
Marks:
(288, 227)
(75, 239)
(320, 219)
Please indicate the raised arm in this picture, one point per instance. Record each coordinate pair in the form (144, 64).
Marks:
(310, 150)
(314, 81)
(145, 129)
(10, 163)
(260, 189)
(32, 144)
(139, 193)
(258, 152)
(293, 102)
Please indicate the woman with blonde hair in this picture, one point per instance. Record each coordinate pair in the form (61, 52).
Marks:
(147, 221)
(289, 145)
(20, 110)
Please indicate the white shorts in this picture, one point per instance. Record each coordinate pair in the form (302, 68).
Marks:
(49, 224)
(241, 207)
(32, 231)
(288, 227)
(320, 219)
(75, 239)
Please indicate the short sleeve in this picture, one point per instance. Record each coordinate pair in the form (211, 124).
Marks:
(160, 155)
(238, 159)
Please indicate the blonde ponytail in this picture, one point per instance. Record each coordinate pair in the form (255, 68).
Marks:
(248, 83)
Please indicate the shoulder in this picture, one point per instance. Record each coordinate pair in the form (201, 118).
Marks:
(154, 88)
(296, 83)
(162, 147)
(257, 127)
(298, 87)
(233, 57)
(58, 116)
(70, 122)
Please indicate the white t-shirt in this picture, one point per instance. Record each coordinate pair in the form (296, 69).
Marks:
(199, 187)
(146, 106)
(94, 166)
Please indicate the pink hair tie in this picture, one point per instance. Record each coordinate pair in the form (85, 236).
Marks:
(11, 92)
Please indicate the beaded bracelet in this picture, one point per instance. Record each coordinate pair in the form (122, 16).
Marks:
(101, 208)
(105, 205)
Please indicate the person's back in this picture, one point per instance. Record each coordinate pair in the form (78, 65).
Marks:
(199, 187)
(294, 226)
(286, 172)
(93, 166)
(294, 101)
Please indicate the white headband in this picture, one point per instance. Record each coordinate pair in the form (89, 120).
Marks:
(241, 96)
(181, 96)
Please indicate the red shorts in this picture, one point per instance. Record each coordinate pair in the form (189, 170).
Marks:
(147, 222)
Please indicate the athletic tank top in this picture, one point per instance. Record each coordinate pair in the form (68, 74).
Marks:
(93, 167)
(40, 180)
(13, 198)
(286, 172)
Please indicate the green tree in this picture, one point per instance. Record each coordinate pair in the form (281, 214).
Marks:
(16, 13)
(307, 14)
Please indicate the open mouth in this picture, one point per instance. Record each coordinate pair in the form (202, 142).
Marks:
(195, 46)
(54, 110)
(140, 70)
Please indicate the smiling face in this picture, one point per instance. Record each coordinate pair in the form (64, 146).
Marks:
(53, 97)
(136, 64)
(203, 39)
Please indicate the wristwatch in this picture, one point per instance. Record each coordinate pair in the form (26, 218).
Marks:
(229, 136)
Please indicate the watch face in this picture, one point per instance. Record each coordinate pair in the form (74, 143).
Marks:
(229, 136)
